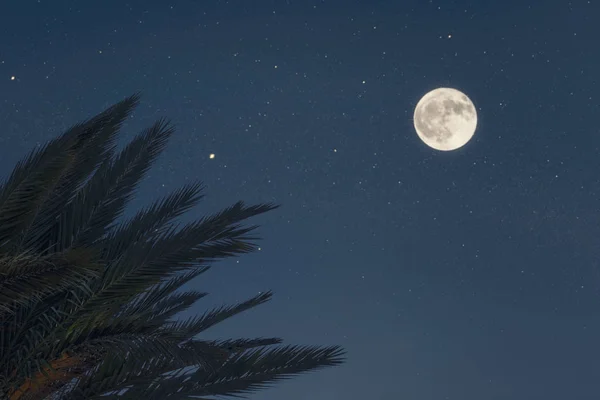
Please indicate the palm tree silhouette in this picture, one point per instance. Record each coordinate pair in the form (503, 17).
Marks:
(86, 303)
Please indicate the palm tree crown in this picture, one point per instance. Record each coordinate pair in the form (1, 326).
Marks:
(86, 302)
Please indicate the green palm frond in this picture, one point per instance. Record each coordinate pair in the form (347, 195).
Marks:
(146, 263)
(112, 186)
(152, 220)
(87, 303)
(195, 325)
(239, 376)
(39, 187)
(24, 276)
(148, 300)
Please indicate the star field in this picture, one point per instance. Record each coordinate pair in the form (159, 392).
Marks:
(446, 275)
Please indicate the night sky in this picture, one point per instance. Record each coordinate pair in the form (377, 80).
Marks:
(463, 275)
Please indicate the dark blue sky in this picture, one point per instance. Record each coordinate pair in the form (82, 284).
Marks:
(463, 275)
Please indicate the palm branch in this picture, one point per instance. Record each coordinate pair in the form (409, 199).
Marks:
(87, 302)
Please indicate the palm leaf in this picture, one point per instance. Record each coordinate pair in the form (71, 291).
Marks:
(87, 303)
(24, 276)
(37, 190)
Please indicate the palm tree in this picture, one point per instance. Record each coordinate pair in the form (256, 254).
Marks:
(86, 303)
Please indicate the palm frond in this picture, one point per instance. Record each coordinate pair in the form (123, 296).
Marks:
(113, 185)
(195, 325)
(35, 194)
(239, 376)
(151, 221)
(147, 300)
(87, 304)
(24, 276)
(145, 263)
(253, 370)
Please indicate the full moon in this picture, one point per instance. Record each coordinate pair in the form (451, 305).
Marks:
(445, 119)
